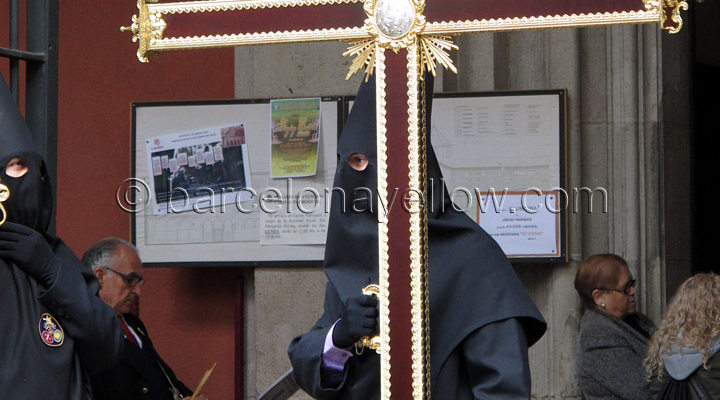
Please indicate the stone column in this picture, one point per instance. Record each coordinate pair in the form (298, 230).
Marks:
(622, 151)
(550, 60)
(284, 302)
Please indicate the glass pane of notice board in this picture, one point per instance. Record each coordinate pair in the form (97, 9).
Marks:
(503, 159)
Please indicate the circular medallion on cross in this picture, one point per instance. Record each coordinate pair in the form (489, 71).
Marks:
(394, 23)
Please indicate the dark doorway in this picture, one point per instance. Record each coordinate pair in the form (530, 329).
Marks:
(706, 136)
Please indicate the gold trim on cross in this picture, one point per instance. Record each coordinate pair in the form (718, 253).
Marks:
(393, 24)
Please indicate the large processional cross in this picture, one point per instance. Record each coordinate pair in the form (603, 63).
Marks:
(397, 40)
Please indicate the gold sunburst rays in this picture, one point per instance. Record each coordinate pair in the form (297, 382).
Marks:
(436, 48)
(433, 48)
(364, 52)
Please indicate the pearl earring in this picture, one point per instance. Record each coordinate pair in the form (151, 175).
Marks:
(602, 305)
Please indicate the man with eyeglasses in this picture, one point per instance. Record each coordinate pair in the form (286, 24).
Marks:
(141, 373)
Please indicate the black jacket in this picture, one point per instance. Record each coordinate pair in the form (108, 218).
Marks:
(89, 337)
(139, 372)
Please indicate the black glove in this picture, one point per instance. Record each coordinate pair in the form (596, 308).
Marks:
(29, 250)
(358, 319)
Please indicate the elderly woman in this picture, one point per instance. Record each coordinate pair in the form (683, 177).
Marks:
(613, 337)
(688, 342)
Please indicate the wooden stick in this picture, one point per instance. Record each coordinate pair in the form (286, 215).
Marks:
(204, 379)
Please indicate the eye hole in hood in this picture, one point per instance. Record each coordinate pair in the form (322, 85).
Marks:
(358, 161)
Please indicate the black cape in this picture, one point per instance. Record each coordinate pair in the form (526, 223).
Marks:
(88, 335)
(475, 295)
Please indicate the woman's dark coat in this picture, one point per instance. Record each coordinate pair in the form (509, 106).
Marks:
(610, 357)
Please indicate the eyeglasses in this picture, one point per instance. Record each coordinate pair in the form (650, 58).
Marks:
(132, 279)
(625, 289)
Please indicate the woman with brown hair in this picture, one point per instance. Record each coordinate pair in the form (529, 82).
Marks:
(612, 340)
(687, 345)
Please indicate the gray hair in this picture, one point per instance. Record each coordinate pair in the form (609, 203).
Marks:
(98, 254)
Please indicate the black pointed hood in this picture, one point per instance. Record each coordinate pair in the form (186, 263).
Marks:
(14, 133)
(30, 201)
(350, 263)
(471, 281)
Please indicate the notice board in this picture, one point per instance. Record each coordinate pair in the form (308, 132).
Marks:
(201, 188)
(503, 159)
(502, 155)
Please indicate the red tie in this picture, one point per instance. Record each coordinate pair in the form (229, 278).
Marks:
(128, 335)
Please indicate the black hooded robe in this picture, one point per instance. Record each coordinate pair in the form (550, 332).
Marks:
(482, 320)
(90, 337)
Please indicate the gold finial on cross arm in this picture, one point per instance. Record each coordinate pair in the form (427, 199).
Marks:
(666, 8)
(147, 26)
(673, 8)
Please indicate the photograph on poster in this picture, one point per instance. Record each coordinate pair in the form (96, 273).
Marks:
(200, 169)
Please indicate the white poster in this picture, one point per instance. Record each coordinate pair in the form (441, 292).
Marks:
(525, 224)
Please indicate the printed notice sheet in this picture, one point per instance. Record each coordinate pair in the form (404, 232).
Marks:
(525, 224)
(198, 170)
(301, 219)
(295, 137)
